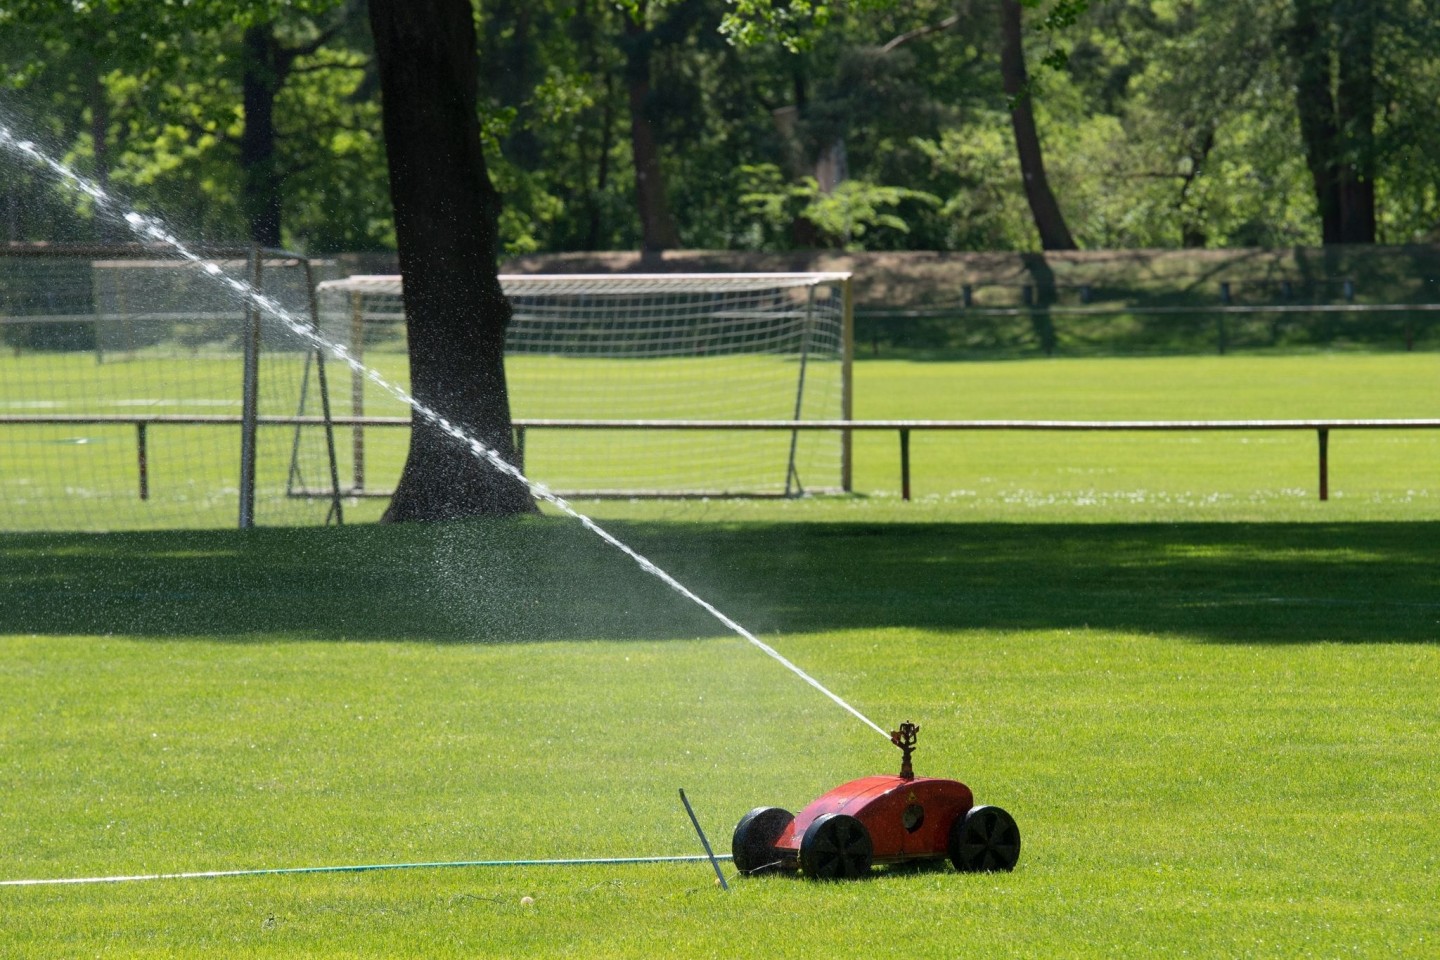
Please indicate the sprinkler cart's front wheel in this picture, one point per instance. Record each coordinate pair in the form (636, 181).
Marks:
(836, 847)
(985, 839)
(753, 845)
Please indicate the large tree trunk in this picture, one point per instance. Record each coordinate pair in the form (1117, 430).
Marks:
(657, 227)
(1049, 221)
(445, 225)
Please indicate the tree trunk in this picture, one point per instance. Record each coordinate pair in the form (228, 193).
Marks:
(1355, 117)
(594, 223)
(1315, 108)
(657, 227)
(588, 29)
(513, 64)
(1333, 50)
(446, 212)
(1042, 296)
(260, 174)
(1049, 221)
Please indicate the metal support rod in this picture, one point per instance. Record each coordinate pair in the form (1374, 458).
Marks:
(904, 464)
(520, 448)
(142, 456)
(1323, 435)
(337, 506)
(357, 389)
(719, 876)
(250, 398)
(792, 475)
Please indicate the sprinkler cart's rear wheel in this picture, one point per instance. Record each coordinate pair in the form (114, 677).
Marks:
(836, 847)
(753, 845)
(985, 839)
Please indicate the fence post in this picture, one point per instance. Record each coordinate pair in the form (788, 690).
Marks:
(847, 384)
(142, 457)
(1220, 317)
(1323, 434)
(519, 447)
(904, 464)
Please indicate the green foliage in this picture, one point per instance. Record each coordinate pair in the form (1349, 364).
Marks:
(979, 167)
(843, 216)
(147, 96)
(1163, 123)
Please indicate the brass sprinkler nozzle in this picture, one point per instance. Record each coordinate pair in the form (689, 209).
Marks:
(904, 738)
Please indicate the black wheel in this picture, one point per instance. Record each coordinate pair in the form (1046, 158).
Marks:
(753, 845)
(836, 847)
(985, 839)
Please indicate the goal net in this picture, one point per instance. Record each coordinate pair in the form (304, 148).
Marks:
(599, 367)
(123, 393)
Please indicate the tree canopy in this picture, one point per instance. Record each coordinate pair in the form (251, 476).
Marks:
(868, 124)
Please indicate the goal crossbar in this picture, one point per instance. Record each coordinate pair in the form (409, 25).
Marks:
(604, 282)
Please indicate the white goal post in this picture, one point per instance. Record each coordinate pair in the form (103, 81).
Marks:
(634, 351)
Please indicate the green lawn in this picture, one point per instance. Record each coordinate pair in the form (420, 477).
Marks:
(1218, 738)
(48, 472)
(1206, 696)
(1112, 477)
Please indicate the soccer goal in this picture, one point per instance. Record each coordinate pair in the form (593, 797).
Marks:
(137, 392)
(635, 385)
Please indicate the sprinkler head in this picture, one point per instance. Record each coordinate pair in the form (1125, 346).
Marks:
(904, 738)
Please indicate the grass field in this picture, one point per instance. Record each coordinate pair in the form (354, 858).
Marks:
(1206, 697)
(1218, 738)
(1109, 476)
(1128, 476)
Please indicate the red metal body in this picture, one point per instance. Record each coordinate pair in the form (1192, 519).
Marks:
(908, 819)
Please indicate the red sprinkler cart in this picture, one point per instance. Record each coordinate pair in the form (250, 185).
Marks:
(879, 820)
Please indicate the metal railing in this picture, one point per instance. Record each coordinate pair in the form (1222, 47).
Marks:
(902, 428)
